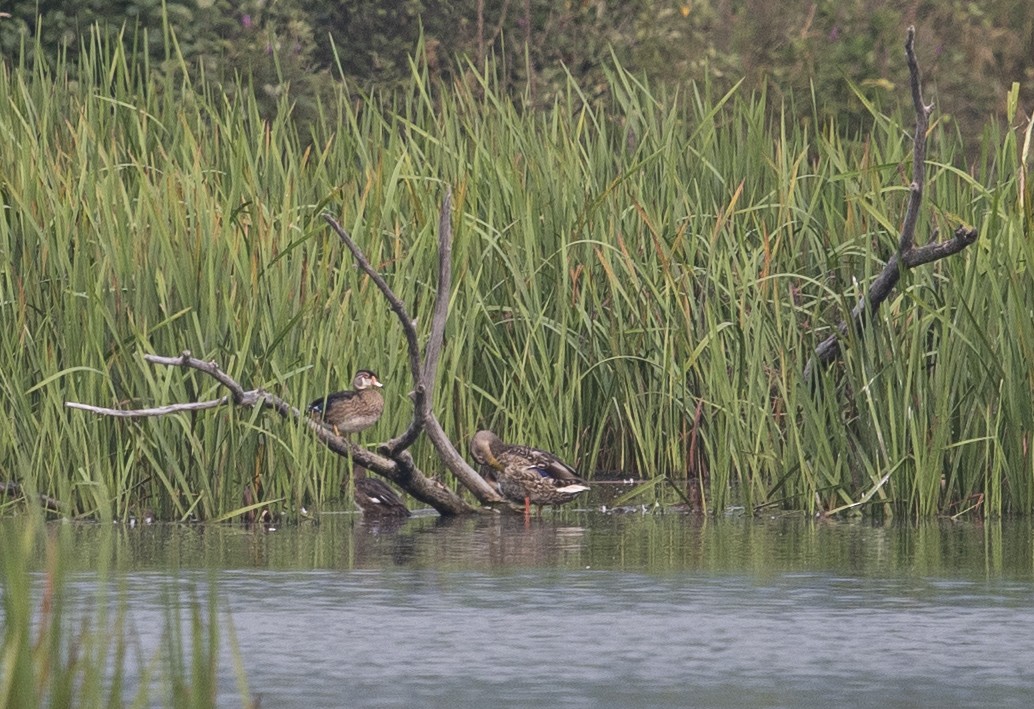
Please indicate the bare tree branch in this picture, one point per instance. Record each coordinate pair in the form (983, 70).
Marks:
(396, 304)
(400, 470)
(432, 354)
(408, 328)
(963, 237)
(915, 196)
(423, 417)
(440, 314)
(908, 255)
(156, 411)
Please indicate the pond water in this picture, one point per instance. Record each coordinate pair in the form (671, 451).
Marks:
(585, 609)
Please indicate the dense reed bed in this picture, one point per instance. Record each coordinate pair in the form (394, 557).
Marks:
(634, 278)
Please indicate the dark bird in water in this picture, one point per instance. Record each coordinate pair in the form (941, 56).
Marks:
(376, 499)
(526, 474)
(350, 411)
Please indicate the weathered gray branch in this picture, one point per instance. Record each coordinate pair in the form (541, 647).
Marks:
(440, 313)
(399, 470)
(423, 376)
(408, 328)
(908, 255)
(156, 411)
(396, 304)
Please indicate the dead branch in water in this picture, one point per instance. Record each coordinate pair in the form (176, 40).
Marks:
(392, 459)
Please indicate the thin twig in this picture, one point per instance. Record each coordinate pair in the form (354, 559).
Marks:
(186, 359)
(963, 237)
(423, 389)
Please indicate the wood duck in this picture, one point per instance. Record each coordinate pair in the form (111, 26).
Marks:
(376, 499)
(526, 474)
(350, 411)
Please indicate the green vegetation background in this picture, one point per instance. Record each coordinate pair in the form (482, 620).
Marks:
(642, 267)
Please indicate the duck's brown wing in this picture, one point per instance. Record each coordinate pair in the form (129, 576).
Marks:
(323, 404)
(547, 465)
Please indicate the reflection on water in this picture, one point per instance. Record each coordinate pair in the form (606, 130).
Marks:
(653, 543)
(586, 609)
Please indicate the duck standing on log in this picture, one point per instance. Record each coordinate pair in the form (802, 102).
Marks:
(526, 474)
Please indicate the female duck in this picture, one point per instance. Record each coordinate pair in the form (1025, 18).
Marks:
(350, 411)
(526, 474)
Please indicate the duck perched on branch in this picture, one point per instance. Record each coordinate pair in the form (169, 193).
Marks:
(526, 474)
(351, 411)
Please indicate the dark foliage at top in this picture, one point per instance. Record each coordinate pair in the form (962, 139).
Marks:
(831, 50)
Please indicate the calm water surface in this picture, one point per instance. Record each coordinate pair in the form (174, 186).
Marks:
(584, 609)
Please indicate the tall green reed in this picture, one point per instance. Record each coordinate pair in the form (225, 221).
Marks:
(618, 265)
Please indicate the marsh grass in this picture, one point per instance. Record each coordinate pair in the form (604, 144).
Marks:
(617, 264)
(59, 650)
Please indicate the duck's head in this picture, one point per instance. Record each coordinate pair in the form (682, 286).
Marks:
(364, 379)
(484, 447)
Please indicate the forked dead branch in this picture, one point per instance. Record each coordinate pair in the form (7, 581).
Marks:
(908, 255)
(392, 459)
